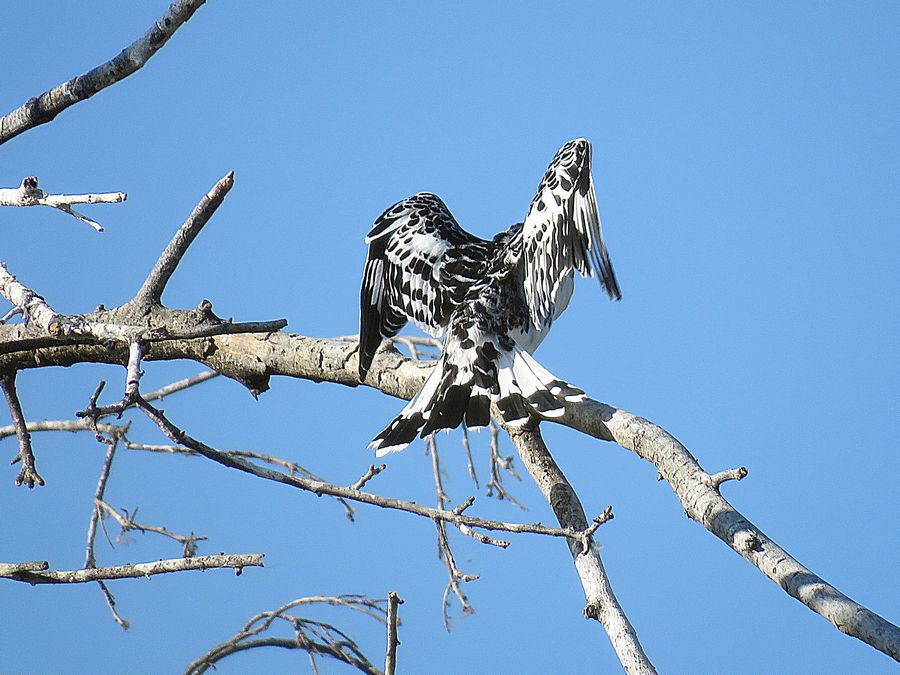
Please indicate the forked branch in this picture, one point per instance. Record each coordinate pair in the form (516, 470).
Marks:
(317, 638)
(28, 475)
(602, 603)
(30, 194)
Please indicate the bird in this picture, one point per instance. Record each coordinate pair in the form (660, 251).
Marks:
(492, 301)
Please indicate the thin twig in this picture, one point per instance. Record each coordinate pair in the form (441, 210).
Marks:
(321, 488)
(587, 537)
(30, 194)
(442, 498)
(180, 385)
(72, 426)
(111, 603)
(10, 314)
(127, 523)
(368, 475)
(475, 534)
(28, 474)
(455, 576)
(445, 552)
(315, 637)
(717, 479)
(90, 559)
(495, 484)
(292, 468)
(470, 463)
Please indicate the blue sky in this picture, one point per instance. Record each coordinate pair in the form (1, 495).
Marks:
(745, 159)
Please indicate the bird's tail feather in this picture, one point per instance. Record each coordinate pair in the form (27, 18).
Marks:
(454, 394)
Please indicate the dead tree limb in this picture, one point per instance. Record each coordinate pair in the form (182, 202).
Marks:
(314, 637)
(16, 571)
(602, 603)
(45, 107)
(254, 359)
(29, 194)
(28, 475)
(252, 353)
(151, 292)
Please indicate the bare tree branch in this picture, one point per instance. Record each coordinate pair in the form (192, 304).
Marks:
(128, 523)
(390, 660)
(314, 637)
(9, 569)
(702, 502)
(455, 576)
(322, 488)
(292, 468)
(497, 462)
(368, 475)
(58, 425)
(601, 601)
(151, 292)
(30, 194)
(90, 561)
(445, 552)
(28, 475)
(45, 107)
(180, 385)
(248, 357)
(205, 562)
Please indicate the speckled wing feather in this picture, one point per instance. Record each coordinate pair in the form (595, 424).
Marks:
(563, 213)
(419, 267)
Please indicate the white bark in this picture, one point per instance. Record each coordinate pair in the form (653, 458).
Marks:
(37, 573)
(29, 194)
(45, 107)
(602, 603)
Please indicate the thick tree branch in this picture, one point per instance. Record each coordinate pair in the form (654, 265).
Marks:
(252, 359)
(601, 601)
(90, 560)
(700, 497)
(236, 561)
(248, 357)
(45, 107)
(127, 523)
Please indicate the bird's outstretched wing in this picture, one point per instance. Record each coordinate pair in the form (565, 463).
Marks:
(419, 267)
(562, 232)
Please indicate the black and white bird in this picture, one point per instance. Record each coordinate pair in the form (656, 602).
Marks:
(492, 302)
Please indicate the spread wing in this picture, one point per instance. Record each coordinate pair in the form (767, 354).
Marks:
(562, 232)
(420, 264)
